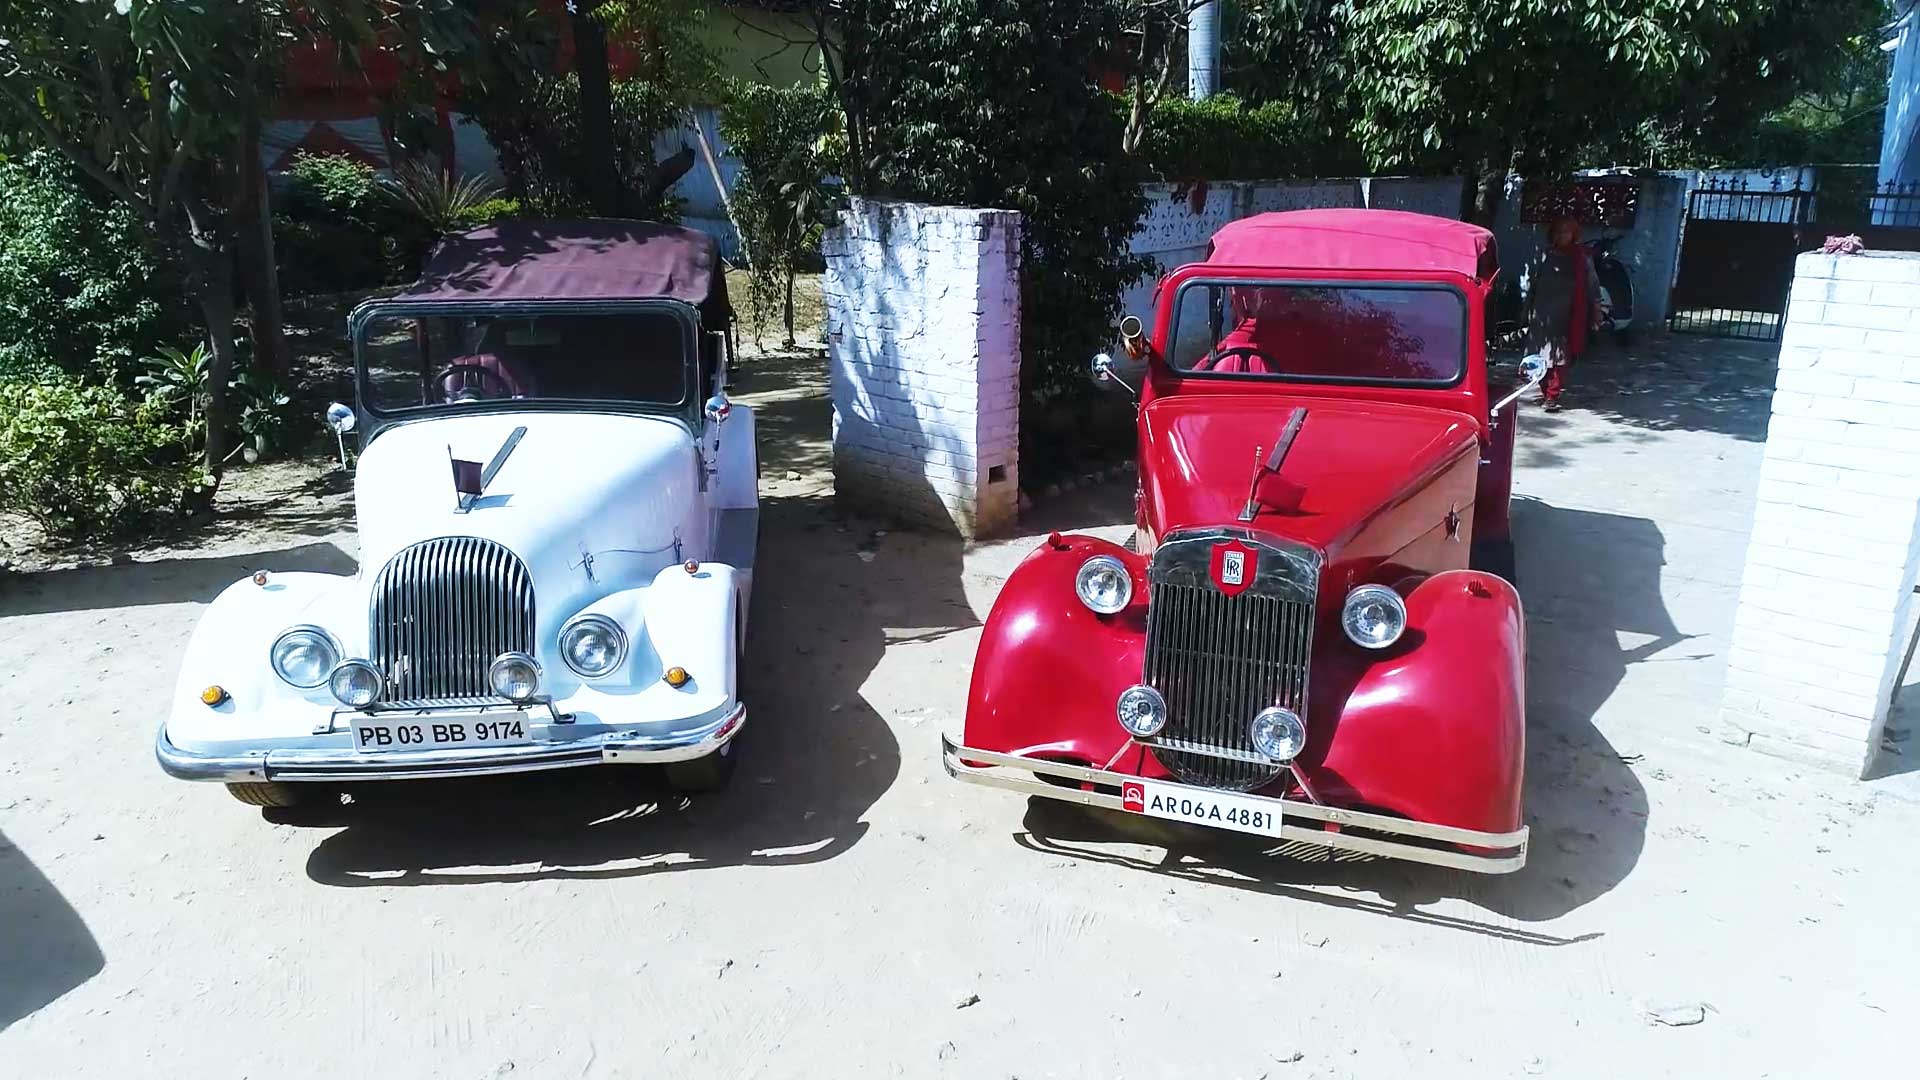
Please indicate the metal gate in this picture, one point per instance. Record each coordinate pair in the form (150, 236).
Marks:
(1736, 261)
(1738, 247)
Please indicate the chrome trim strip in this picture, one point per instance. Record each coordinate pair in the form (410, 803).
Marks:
(342, 766)
(1512, 846)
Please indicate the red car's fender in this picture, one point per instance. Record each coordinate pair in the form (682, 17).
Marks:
(1434, 730)
(1049, 671)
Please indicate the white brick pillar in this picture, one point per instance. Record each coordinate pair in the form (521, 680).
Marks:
(1830, 572)
(923, 346)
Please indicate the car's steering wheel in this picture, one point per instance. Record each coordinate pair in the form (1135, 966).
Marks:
(477, 384)
(1250, 351)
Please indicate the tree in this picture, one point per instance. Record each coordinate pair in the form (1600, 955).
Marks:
(1487, 85)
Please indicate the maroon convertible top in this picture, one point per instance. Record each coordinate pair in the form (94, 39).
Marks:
(588, 259)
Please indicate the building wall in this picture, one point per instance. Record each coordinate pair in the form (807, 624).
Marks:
(923, 354)
(1831, 566)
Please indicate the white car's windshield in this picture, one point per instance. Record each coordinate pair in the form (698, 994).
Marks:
(1373, 333)
(411, 361)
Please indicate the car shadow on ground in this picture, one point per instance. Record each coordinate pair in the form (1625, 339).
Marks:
(159, 581)
(45, 948)
(1588, 580)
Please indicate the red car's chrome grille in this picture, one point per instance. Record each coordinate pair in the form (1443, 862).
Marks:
(1218, 659)
(442, 611)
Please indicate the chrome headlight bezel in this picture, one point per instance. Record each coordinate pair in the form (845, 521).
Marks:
(1128, 706)
(507, 659)
(590, 623)
(348, 668)
(1364, 596)
(1278, 733)
(316, 635)
(1105, 568)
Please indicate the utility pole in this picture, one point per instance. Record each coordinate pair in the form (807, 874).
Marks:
(1203, 50)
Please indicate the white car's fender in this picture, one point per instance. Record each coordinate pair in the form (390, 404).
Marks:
(688, 621)
(230, 649)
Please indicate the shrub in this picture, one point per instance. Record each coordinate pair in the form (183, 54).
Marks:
(84, 461)
(1223, 138)
(81, 288)
(332, 228)
(485, 213)
(175, 386)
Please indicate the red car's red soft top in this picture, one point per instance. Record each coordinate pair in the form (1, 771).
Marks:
(1356, 240)
(591, 259)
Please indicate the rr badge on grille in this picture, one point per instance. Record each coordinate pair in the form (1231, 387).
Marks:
(1233, 566)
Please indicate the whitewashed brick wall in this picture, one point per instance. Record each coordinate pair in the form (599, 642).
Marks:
(1831, 565)
(923, 347)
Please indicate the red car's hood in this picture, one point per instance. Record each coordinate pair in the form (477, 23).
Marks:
(1352, 460)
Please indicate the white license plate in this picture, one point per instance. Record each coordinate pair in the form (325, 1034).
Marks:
(1199, 806)
(417, 732)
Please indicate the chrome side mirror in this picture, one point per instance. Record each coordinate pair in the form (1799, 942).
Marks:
(1532, 369)
(340, 420)
(1102, 368)
(717, 408)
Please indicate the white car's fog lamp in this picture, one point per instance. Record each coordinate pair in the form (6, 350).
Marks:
(1104, 585)
(356, 684)
(514, 676)
(1279, 734)
(1142, 711)
(304, 656)
(1374, 616)
(592, 645)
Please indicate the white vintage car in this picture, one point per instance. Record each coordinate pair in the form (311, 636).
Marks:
(558, 511)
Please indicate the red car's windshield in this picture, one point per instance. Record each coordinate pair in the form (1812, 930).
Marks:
(1412, 333)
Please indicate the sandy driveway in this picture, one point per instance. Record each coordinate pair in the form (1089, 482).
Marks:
(845, 910)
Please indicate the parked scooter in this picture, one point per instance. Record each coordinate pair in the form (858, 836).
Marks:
(1616, 289)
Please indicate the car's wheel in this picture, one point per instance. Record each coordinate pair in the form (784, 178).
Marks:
(709, 773)
(1496, 557)
(268, 794)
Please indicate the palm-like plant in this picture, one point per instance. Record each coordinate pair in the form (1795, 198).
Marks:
(437, 200)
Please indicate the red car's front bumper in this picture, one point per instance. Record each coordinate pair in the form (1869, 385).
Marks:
(1377, 835)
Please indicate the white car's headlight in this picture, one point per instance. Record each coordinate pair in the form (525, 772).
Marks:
(514, 676)
(1104, 585)
(355, 684)
(592, 645)
(304, 656)
(1374, 616)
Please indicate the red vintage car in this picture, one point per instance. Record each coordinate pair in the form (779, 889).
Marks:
(1312, 637)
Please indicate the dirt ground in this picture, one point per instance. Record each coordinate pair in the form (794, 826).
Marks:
(1690, 908)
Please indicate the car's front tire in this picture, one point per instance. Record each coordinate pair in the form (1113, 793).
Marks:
(268, 794)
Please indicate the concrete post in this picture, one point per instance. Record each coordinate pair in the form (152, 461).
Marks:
(923, 349)
(1831, 565)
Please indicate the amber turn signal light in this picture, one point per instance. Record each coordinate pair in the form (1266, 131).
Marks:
(214, 696)
(677, 677)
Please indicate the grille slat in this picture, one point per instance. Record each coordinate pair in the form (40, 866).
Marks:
(1220, 659)
(441, 611)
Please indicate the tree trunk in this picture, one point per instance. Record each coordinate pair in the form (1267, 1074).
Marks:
(788, 270)
(253, 248)
(596, 115)
(210, 283)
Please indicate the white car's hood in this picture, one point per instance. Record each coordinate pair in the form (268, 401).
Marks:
(580, 488)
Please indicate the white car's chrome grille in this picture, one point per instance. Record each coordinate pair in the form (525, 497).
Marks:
(442, 610)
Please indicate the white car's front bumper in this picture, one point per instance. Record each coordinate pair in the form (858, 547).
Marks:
(334, 760)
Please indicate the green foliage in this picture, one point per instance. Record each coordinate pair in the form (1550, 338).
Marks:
(333, 230)
(993, 103)
(434, 200)
(782, 198)
(536, 130)
(1480, 84)
(83, 461)
(1223, 138)
(175, 386)
(81, 290)
(486, 212)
